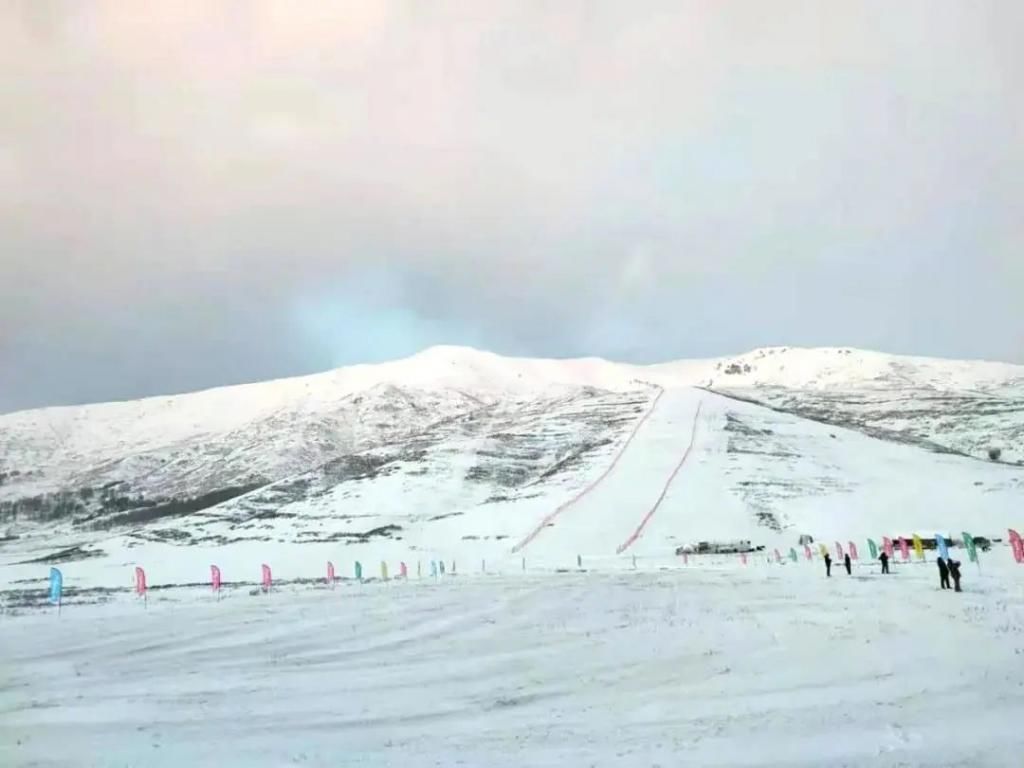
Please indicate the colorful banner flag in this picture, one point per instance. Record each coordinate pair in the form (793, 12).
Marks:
(383, 571)
(56, 586)
(1018, 546)
(853, 551)
(904, 549)
(872, 549)
(359, 571)
(887, 546)
(941, 546)
(330, 572)
(440, 567)
(778, 556)
(807, 552)
(823, 549)
(267, 580)
(403, 571)
(140, 581)
(971, 547)
(215, 578)
(839, 551)
(918, 547)
(792, 555)
(433, 568)
(743, 557)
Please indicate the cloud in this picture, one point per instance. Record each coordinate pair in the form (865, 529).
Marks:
(228, 189)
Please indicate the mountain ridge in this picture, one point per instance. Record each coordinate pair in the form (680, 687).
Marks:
(455, 442)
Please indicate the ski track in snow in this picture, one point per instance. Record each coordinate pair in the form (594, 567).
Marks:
(664, 491)
(711, 665)
(552, 516)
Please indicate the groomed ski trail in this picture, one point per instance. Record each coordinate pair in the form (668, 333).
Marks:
(664, 491)
(550, 517)
(595, 522)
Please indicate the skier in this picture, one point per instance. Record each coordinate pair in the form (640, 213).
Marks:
(846, 563)
(943, 573)
(954, 571)
(884, 557)
(828, 564)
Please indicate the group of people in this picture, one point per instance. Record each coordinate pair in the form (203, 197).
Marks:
(947, 568)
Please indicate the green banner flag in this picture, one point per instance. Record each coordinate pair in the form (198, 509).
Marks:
(972, 551)
(792, 554)
(873, 548)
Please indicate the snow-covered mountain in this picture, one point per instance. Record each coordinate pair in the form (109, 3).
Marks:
(455, 447)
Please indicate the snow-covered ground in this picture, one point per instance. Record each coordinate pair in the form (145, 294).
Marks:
(709, 664)
(509, 470)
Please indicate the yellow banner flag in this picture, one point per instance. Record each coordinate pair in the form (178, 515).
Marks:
(918, 547)
(823, 549)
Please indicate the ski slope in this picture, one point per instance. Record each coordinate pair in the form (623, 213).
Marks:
(620, 499)
(709, 665)
(750, 473)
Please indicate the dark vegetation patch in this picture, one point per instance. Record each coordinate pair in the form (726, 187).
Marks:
(175, 508)
(70, 554)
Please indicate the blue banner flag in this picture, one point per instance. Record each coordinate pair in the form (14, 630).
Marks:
(56, 586)
(940, 544)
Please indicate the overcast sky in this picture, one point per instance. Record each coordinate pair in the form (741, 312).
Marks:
(194, 194)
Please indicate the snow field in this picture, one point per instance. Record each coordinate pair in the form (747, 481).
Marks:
(716, 665)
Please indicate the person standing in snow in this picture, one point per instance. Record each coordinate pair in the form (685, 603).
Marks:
(954, 571)
(846, 564)
(884, 557)
(943, 573)
(828, 564)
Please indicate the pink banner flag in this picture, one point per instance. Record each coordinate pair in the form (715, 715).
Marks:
(330, 572)
(1018, 546)
(853, 551)
(839, 551)
(686, 559)
(904, 549)
(215, 578)
(887, 546)
(266, 577)
(807, 552)
(140, 581)
(403, 570)
(778, 556)
(743, 557)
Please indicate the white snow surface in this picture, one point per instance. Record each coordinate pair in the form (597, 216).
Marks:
(711, 664)
(511, 472)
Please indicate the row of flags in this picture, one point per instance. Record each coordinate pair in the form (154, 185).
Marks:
(889, 547)
(437, 567)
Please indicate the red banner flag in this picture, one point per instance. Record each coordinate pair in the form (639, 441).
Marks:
(807, 552)
(266, 577)
(853, 551)
(904, 548)
(330, 572)
(140, 581)
(887, 546)
(1018, 546)
(215, 578)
